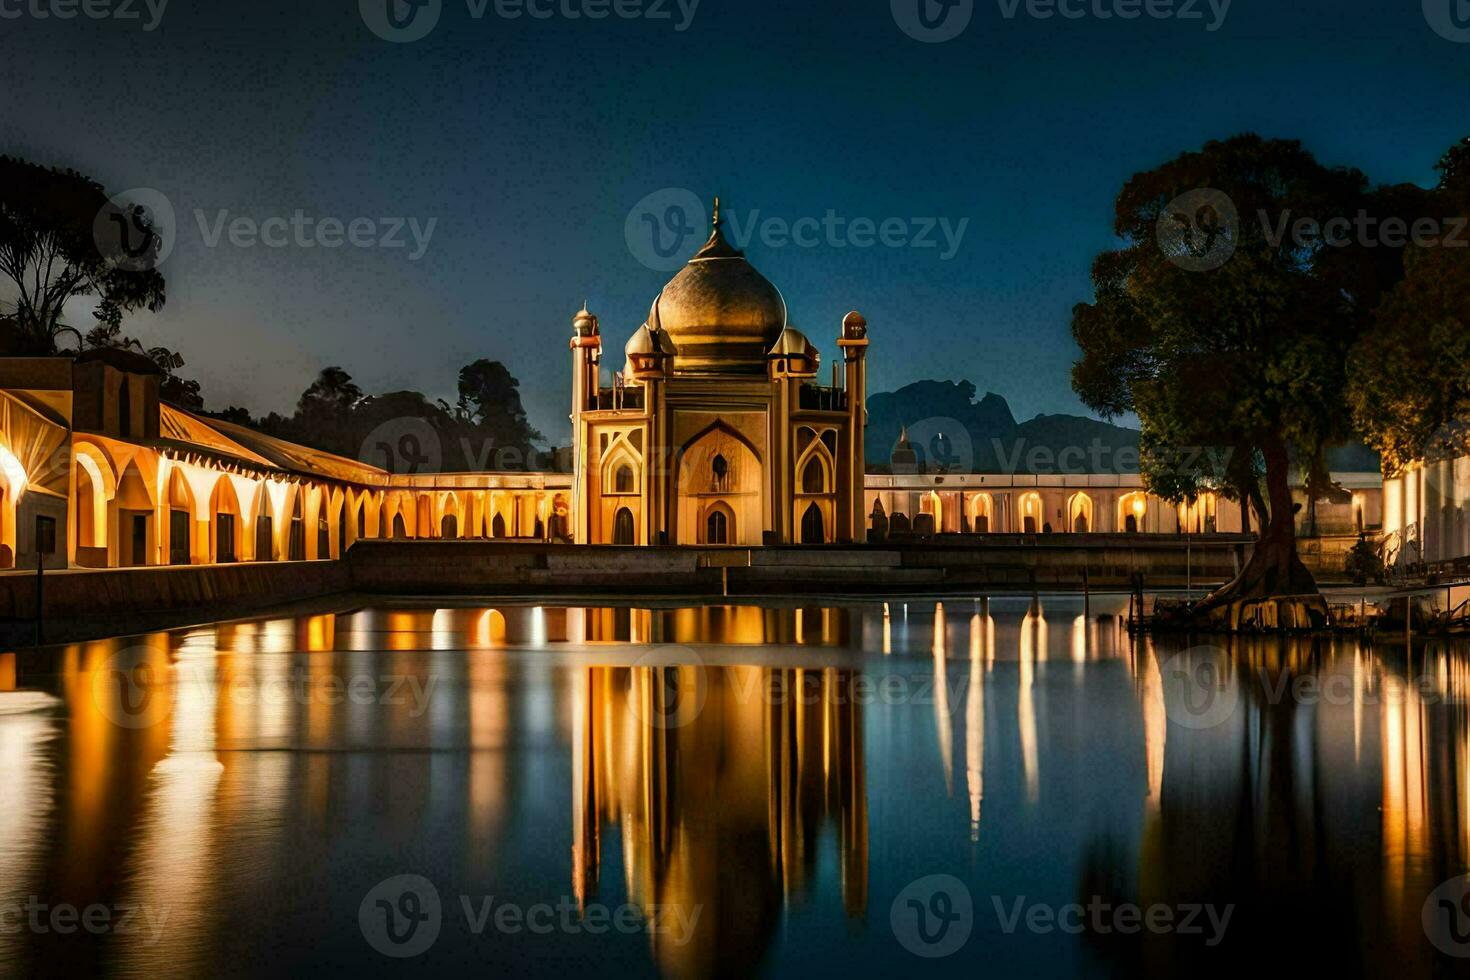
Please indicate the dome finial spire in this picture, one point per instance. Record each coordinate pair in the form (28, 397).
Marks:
(715, 218)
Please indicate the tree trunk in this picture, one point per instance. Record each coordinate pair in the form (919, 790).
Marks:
(1274, 568)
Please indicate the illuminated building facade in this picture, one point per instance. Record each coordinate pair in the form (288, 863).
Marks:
(716, 431)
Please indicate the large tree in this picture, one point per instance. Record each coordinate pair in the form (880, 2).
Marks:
(55, 246)
(490, 399)
(1225, 329)
(1409, 377)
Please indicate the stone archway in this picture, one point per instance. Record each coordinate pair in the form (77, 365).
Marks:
(720, 466)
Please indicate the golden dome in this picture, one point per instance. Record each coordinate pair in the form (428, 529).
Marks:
(721, 314)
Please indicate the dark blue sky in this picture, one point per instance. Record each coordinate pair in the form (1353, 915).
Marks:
(529, 141)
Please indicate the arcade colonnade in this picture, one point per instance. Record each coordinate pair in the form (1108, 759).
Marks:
(135, 505)
(989, 504)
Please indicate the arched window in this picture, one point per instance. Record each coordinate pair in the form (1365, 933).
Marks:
(296, 542)
(264, 538)
(449, 527)
(720, 470)
(400, 528)
(623, 529)
(323, 535)
(361, 521)
(717, 527)
(813, 528)
(497, 527)
(623, 479)
(813, 478)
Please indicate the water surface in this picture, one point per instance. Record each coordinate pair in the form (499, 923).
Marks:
(727, 790)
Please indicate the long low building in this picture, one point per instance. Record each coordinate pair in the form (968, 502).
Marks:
(98, 472)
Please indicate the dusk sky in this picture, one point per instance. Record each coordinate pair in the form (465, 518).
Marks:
(528, 142)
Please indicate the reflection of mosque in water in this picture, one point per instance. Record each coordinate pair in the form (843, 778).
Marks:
(718, 785)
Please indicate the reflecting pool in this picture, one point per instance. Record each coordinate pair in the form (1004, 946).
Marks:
(1000, 787)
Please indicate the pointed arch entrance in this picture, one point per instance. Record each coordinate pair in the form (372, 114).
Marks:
(720, 468)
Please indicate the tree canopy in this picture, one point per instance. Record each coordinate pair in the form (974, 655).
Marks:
(1223, 326)
(486, 430)
(1409, 378)
(61, 238)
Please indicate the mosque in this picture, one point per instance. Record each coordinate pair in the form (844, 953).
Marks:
(715, 430)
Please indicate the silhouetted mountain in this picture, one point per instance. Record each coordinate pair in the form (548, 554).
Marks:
(946, 425)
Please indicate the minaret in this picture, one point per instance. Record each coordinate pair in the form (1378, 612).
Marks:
(586, 360)
(854, 344)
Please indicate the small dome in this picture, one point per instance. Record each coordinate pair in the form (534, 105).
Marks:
(793, 343)
(584, 324)
(647, 342)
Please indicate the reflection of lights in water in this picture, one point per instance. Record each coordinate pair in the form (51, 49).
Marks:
(25, 736)
(1357, 705)
(538, 627)
(490, 629)
(320, 633)
(441, 630)
(276, 636)
(174, 865)
(1079, 643)
(887, 631)
(975, 729)
(941, 702)
(1155, 723)
(1026, 710)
